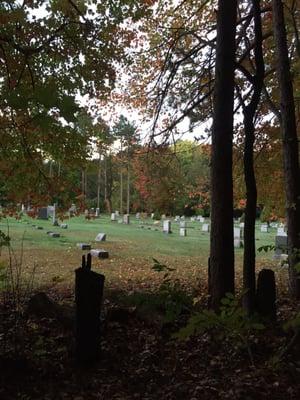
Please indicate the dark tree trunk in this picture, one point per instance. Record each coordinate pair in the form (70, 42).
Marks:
(250, 181)
(290, 145)
(221, 243)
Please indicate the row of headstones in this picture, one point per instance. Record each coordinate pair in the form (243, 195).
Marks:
(124, 220)
(98, 253)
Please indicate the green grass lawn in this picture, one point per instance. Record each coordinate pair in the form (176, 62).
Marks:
(131, 249)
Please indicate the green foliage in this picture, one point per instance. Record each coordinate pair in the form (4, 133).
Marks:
(171, 299)
(157, 216)
(230, 323)
(266, 248)
(4, 240)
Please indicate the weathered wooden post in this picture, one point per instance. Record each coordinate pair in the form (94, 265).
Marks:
(88, 298)
(266, 294)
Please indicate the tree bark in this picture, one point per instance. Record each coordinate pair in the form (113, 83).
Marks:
(99, 180)
(221, 243)
(121, 181)
(250, 181)
(290, 145)
(128, 182)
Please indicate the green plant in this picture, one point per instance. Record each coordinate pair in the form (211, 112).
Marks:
(172, 297)
(231, 323)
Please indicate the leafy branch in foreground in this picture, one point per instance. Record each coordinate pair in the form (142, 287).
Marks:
(231, 324)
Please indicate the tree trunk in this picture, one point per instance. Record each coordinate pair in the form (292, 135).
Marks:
(290, 145)
(128, 183)
(99, 180)
(250, 181)
(105, 178)
(221, 243)
(121, 181)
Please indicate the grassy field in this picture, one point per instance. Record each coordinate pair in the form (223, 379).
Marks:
(131, 249)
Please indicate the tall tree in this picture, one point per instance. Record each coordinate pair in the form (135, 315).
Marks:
(256, 80)
(125, 131)
(290, 146)
(221, 268)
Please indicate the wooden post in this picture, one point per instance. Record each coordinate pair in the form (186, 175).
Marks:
(266, 294)
(88, 298)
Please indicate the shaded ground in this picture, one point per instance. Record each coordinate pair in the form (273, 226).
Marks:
(139, 359)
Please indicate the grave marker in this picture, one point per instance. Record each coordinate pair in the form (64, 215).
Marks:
(101, 237)
(167, 226)
(99, 253)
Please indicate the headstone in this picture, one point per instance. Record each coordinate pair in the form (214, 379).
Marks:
(281, 231)
(201, 219)
(54, 234)
(163, 216)
(205, 228)
(152, 215)
(167, 226)
(237, 236)
(43, 213)
(86, 212)
(113, 217)
(264, 228)
(117, 213)
(182, 232)
(101, 237)
(193, 219)
(84, 246)
(72, 210)
(138, 215)
(23, 208)
(237, 242)
(266, 294)
(126, 219)
(182, 218)
(97, 214)
(281, 245)
(64, 226)
(182, 224)
(238, 232)
(99, 253)
(242, 225)
(177, 218)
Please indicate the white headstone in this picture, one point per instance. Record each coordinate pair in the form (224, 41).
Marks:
(126, 219)
(237, 242)
(138, 215)
(182, 224)
(99, 253)
(201, 219)
(117, 213)
(101, 237)
(242, 225)
(113, 217)
(264, 228)
(205, 228)
(152, 215)
(281, 231)
(97, 212)
(237, 232)
(167, 226)
(182, 232)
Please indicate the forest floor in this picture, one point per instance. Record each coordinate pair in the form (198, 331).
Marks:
(139, 359)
